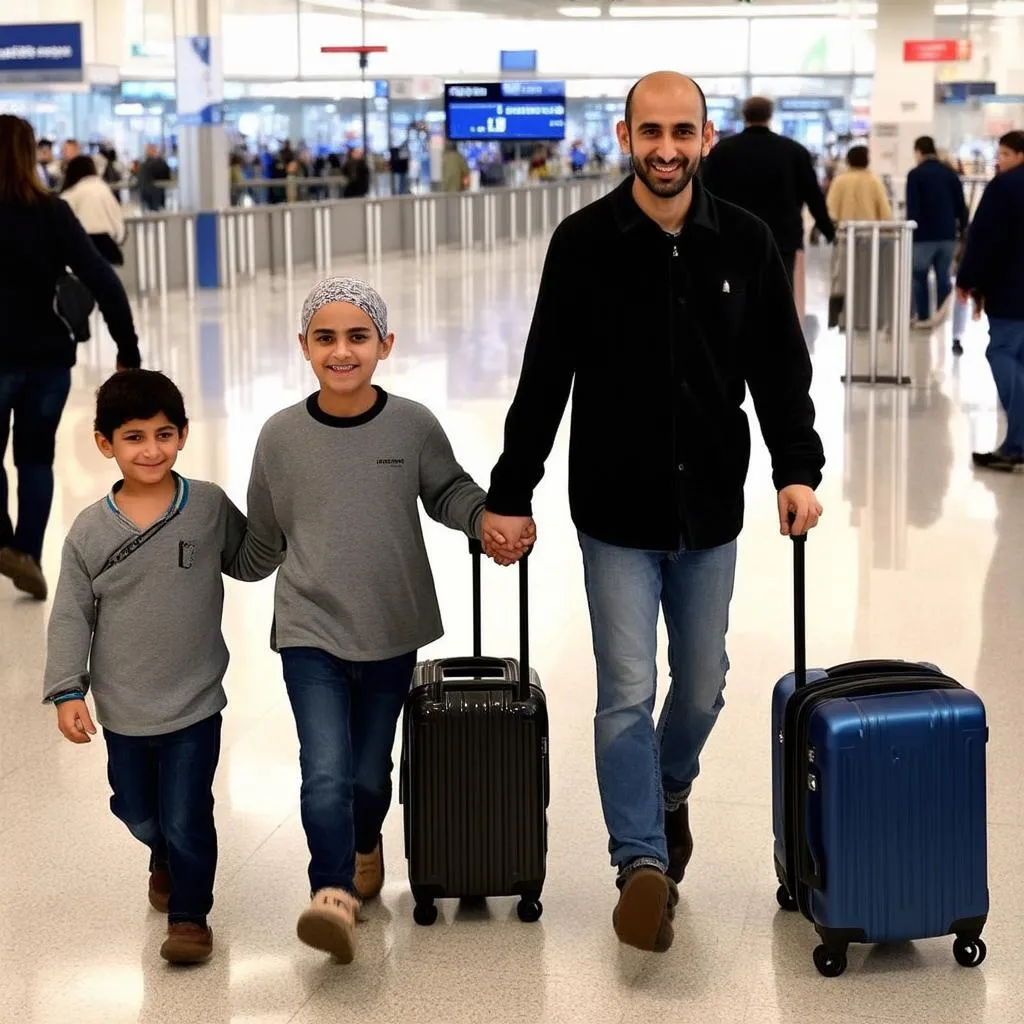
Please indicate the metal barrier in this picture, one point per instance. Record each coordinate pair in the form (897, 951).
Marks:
(874, 260)
(161, 249)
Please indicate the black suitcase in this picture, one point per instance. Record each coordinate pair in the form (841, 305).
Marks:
(474, 779)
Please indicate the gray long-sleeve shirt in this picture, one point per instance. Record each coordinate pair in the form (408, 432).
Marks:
(144, 634)
(339, 497)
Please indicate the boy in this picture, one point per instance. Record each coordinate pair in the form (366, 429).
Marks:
(136, 621)
(335, 481)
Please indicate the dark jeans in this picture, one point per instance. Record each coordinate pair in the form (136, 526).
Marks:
(1006, 357)
(346, 713)
(36, 400)
(928, 255)
(162, 790)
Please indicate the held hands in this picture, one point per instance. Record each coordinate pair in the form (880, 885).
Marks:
(507, 538)
(800, 502)
(75, 722)
(978, 302)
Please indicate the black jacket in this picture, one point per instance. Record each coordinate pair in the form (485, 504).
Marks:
(935, 201)
(38, 242)
(659, 350)
(993, 263)
(772, 177)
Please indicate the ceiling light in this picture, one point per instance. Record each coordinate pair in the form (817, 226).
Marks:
(744, 11)
(580, 12)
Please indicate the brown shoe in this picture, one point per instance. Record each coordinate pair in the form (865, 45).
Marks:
(679, 840)
(329, 923)
(24, 571)
(643, 916)
(187, 943)
(160, 889)
(369, 878)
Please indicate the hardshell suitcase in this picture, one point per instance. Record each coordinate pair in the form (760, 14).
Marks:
(474, 774)
(878, 780)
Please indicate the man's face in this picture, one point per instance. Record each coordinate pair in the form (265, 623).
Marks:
(1008, 159)
(71, 149)
(45, 154)
(667, 138)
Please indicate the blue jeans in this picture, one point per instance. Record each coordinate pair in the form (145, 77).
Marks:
(926, 256)
(638, 765)
(1005, 354)
(346, 713)
(163, 791)
(36, 400)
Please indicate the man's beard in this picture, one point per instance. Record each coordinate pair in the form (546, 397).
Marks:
(665, 189)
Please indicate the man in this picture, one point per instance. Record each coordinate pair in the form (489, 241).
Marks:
(153, 175)
(992, 271)
(44, 160)
(662, 304)
(935, 202)
(772, 177)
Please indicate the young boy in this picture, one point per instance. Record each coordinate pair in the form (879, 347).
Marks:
(137, 621)
(335, 481)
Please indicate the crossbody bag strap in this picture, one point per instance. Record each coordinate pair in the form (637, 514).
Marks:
(129, 548)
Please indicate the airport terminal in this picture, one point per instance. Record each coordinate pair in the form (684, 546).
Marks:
(507, 511)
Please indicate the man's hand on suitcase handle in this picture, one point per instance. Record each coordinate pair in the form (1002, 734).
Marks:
(799, 510)
(507, 538)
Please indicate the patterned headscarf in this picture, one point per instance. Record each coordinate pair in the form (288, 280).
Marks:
(346, 289)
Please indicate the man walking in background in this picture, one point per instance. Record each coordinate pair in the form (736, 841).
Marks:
(772, 177)
(935, 202)
(992, 272)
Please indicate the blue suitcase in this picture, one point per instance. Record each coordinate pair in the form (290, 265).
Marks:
(878, 780)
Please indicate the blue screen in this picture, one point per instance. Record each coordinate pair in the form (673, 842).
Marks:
(518, 60)
(516, 111)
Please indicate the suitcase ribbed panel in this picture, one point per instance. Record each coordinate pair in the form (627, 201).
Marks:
(475, 791)
(898, 820)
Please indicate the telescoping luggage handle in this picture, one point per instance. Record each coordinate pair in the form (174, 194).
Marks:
(476, 549)
(799, 609)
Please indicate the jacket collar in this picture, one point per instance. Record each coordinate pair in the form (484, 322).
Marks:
(757, 129)
(702, 214)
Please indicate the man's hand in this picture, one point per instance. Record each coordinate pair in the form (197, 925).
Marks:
(74, 721)
(799, 501)
(976, 300)
(507, 538)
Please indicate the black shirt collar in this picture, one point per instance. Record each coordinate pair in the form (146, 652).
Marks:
(314, 410)
(628, 215)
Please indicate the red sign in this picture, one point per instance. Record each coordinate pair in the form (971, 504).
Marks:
(936, 50)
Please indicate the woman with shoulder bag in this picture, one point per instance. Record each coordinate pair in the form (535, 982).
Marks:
(42, 307)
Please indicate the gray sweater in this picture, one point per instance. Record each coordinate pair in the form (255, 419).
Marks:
(143, 632)
(339, 496)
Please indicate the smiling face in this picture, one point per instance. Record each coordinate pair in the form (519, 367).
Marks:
(145, 450)
(344, 348)
(666, 135)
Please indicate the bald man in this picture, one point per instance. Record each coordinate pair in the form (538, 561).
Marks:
(662, 305)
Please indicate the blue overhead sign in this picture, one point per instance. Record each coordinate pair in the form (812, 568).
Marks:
(41, 53)
(506, 111)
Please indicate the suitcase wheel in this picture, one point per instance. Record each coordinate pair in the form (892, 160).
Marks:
(529, 910)
(784, 900)
(830, 960)
(425, 913)
(969, 952)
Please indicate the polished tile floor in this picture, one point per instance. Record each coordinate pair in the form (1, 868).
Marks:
(917, 556)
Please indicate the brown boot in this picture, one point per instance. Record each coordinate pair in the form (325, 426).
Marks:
(24, 571)
(643, 917)
(679, 840)
(369, 878)
(187, 943)
(159, 889)
(329, 923)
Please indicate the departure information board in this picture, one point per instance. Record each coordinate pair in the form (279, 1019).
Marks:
(509, 111)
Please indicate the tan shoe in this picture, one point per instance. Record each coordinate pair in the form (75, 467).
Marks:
(187, 943)
(643, 916)
(329, 923)
(369, 878)
(24, 571)
(160, 889)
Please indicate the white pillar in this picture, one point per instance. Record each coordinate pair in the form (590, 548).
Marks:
(903, 104)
